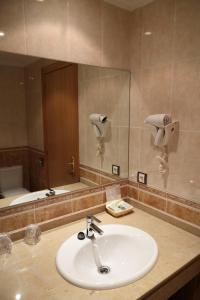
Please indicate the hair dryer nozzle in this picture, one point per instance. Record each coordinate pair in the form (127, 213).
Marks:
(98, 118)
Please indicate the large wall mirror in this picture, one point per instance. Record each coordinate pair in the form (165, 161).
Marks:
(63, 127)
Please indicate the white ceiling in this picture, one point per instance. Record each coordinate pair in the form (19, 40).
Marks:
(129, 4)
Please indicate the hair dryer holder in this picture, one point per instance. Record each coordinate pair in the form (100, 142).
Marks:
(162, 134)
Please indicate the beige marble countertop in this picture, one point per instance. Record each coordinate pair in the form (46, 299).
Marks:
(30, 271)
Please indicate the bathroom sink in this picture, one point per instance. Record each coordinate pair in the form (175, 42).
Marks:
(126, 254)
(35, 196)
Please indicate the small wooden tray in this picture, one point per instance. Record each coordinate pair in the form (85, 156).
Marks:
(120, 213)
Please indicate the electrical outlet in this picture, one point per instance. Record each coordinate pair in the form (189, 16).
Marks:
(115, 170)
(142, 177)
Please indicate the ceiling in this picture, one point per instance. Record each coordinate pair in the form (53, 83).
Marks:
(129, 4)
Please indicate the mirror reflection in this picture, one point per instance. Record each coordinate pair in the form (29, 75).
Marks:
(63, 127)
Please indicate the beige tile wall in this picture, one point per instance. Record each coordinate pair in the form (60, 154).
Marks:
(165, 79)
(34, 105)
(21, 120)
(12, 107)
(104, 91)
(82, 31)
(165, 66)
(12, 22)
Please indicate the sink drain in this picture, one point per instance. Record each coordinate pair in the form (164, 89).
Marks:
(104, 269)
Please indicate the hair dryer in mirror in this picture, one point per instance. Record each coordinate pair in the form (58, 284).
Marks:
(99, 122)
(162, 128)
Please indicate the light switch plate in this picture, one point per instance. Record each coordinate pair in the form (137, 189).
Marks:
(142, 177)
(115, 170)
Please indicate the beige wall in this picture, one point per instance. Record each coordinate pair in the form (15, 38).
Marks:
(34, 105)
(104, 91)
(165, 79)
(12, 107)
(85, 31)
(165, 67)
(21, 120)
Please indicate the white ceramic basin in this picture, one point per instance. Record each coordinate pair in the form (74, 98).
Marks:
(129, 252)
(35, 196)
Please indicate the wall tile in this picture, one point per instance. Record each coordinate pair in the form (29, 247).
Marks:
(184, 201)
(186, 213)
(152, 200)
(34, 104)
(86, 202)
(95, 178)
(115, 36)
(103, 90)
(148, 162)
(156, 92)
(168, 82)
(124, 191)
(136, 38)
(110, 97)
(187, 29)
(16, 221)
(157, 18)
(46, 28)
(91, 149)
(12, 22)
(132, 192)
(13, 107)
(184, 162)
(135, 97)
(53, 211)
(134, 152)
(123, 151)
(186, 92)
(123, 99)
(111, 153)
(152, 190)
(85, 31)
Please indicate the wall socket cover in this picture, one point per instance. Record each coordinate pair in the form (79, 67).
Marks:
(115, 170)
(142, 177)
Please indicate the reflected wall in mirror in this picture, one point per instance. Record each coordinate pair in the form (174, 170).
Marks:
(63, 126)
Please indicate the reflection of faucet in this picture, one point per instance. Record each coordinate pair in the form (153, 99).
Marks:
(51, 193)
(91, 227)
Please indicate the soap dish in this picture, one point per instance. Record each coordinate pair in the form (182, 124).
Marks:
(119, 208)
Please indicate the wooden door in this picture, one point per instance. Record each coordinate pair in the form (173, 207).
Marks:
(60, 107)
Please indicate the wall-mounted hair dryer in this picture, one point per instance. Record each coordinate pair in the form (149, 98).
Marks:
(99, 124)
(162, 128)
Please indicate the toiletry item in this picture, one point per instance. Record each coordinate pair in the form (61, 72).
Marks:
(5, 244)
(119, 207)
(115, 205)
(32, 234)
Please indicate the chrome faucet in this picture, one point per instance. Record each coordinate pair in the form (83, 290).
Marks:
(92, 227)
(51, 193)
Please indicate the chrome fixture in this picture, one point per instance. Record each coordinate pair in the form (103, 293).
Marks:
(51, 193)
(92, 227)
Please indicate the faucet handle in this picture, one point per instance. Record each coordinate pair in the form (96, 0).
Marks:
(93, 218)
